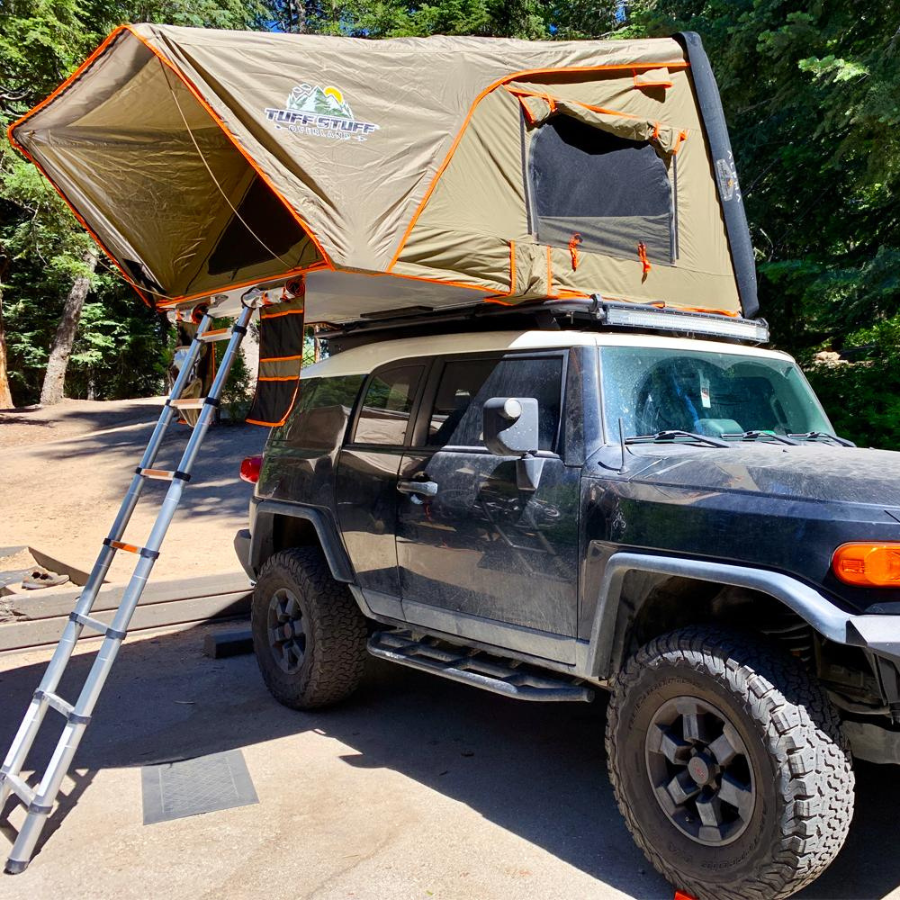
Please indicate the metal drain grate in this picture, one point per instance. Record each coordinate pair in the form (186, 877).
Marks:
(194, 786)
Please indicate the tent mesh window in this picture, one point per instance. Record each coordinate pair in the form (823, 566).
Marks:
(613, 192)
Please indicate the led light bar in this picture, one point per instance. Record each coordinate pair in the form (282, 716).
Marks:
(626, 315)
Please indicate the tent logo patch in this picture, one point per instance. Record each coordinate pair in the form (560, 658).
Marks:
(319, 112)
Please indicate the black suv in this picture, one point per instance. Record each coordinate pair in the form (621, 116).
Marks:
(547, 512)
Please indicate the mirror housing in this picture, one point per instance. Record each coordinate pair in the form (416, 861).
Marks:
(510, 428)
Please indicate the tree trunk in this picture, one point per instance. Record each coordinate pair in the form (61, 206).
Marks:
(6, 400)
(55, 379)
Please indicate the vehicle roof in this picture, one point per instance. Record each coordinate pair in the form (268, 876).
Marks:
(362, 360)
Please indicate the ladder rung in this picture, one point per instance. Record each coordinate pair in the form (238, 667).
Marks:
(188, 404)
(121, 545)
(54, 701)
(216, 334)
(131, 548)
(159, 474)
(19, 787)
(89, 622)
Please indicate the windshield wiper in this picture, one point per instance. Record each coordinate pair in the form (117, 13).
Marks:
(823, 436)
(672, 434)
(757, 435)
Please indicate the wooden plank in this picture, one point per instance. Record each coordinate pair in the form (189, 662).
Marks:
(32, 605)
(38, 632)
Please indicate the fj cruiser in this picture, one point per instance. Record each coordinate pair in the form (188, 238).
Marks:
(547, 503)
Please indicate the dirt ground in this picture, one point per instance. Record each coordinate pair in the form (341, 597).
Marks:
(65, 469)
(70, 419)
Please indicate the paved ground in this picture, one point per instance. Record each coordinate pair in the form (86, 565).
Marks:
(61, 494)
(416, 788)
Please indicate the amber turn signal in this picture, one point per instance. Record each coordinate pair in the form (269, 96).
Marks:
(868, 565)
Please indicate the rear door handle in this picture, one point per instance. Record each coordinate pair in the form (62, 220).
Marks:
(421, 488)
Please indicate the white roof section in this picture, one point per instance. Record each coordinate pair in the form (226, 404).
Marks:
(362, 360)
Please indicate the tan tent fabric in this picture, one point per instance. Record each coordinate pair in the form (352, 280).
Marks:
(204, 161)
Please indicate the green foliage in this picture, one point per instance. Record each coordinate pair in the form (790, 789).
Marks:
(862, 395)
(393, 18)
(811, 99)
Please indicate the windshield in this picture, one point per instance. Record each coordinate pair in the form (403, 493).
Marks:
(654, 390)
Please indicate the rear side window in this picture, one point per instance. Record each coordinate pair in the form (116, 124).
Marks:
(465, 385)
(384, 416)
(320, 418)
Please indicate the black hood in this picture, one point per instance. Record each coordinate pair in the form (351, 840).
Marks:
(815, 472)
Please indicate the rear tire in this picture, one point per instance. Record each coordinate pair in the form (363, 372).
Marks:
(707, 715)
(308, 633)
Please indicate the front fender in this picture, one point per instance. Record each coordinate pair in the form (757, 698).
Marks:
(822, 614)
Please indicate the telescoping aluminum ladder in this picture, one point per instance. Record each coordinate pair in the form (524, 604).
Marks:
(39, 801)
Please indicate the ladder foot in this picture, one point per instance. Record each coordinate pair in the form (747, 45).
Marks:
(16, 866)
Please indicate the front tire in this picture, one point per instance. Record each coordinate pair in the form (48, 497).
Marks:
(729, 765)
(308, 633)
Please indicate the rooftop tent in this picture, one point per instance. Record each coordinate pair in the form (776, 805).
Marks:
(454, 170)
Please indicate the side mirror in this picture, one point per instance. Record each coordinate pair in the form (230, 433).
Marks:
(510, 427)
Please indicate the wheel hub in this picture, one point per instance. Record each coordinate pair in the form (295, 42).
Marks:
(700, 771)
(287, 631)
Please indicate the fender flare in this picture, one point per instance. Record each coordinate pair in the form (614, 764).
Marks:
(326, 531)
(824, 616)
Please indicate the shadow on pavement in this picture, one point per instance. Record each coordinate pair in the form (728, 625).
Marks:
(537, 770)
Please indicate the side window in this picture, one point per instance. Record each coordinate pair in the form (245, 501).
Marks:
(384, 416)
(465, 385)
(320, 418)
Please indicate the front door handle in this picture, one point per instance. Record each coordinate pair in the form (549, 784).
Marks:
(420, 488)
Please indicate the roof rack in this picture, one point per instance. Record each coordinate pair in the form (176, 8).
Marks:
(594, 314)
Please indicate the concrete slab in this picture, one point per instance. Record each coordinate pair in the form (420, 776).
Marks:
(416, 788)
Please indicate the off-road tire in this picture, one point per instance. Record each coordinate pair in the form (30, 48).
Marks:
(792, 734)
(335, 653)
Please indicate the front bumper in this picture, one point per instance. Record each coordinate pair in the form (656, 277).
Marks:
(880, 634)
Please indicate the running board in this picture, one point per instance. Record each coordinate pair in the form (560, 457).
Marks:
(475, 667)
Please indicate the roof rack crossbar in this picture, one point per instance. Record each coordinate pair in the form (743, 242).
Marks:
(593, 312)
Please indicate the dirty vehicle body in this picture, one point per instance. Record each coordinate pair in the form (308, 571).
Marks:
(549, 511)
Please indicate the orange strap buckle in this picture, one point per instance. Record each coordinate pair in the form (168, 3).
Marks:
(642, 253)
(573, 249)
